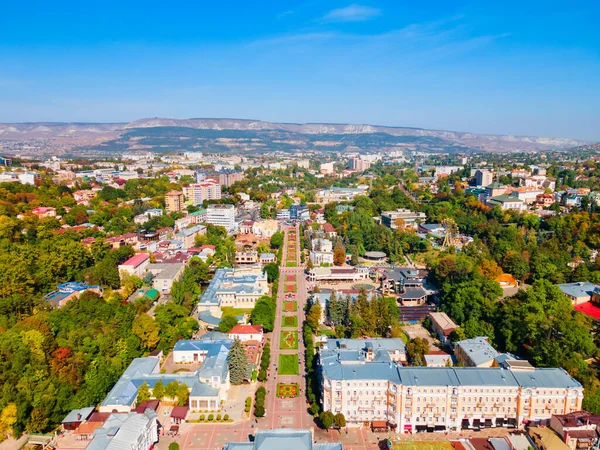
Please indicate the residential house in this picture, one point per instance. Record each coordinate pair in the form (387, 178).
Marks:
(247, 333)
(442, 325)
(136, 265)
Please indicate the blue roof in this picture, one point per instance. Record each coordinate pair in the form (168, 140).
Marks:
(478, 350)
(287, 438)
(579, 289)
(79, 415)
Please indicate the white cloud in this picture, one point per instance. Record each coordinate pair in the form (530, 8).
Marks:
(352, 13)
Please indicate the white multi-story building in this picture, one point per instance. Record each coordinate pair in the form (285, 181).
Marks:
(221, 215)
(199, 192)
(369, 387)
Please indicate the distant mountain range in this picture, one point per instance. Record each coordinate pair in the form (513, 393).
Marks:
(252, 136)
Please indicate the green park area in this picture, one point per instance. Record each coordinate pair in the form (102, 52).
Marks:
(291, 288)
(288, 365)
(291, 264)
(288, 340)
(289, 321)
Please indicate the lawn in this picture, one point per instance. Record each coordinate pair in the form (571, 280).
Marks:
(290, 306)
(289, 321)
(288, 340)
(288, 365)
(291, 264)
(231, 311)
(288, 390)
(414, 445)
(290, 288)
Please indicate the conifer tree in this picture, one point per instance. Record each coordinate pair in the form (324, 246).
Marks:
(238, 364)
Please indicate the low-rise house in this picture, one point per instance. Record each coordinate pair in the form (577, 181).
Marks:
(333, 274)
(438, 358)
(402, 218)
(580, 292)
(319, 257)
(76, 417)
(442, 325)
(247, 333)
(265, 228)
(130, 431)
(66, 292)
(164, 274)
(246, 258)
(577, 429)
(44, 212)
(506, 202)
(187, 236)
(136, 265)
(267, 258)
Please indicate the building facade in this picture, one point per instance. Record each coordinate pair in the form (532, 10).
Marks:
(221, 215)
(197, 193)
(411, 399)
(174, 201)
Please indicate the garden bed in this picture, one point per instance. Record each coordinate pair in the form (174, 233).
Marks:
(289, 321)
(288, 340)
(288, 390)
(290, 306)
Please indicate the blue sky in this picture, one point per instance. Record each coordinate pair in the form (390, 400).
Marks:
(528, 67)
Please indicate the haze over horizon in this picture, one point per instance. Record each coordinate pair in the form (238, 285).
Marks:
(512, 68)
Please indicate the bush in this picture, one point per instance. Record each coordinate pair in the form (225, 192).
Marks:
(226, 417)
(262, 375)
(211, 417)
(314, 409)
(202, 417)
(173, 446)
(219, 417)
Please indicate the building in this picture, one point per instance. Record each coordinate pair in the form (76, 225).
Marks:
(321, 258)
(198, 350)
(397, 279)
(326, 168)
(223, 177)
(334, 274)
(246, 258)
(506, 202)
(267, 258)
(401, 218)
(475, 352)
(280, 438)
(579, 292)
(198, 193)
(164, 274)
(208, 386)
(187, 236)
(238, 288)
(130, 431)
(384, 394)
(359, 164)
(199, 216)
(340, 194)
(438, 358)
(66, 292)
(174, 201)
(283, 214)
(136, 265)
(221, 215)
(577, 429)
(483, 178)
(264, 228)
(299, 212)
(442, 325)
(44, 212)
(247, 333)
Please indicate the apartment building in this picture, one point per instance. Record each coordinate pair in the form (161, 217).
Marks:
(187, 236)
(174, 201)
(221, 215)
(199, 192)
(381, 393)
(359, 164)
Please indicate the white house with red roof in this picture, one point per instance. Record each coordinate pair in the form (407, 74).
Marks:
(247, 333)
(136, 265)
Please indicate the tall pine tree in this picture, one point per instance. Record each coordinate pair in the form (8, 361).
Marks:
(238, 364)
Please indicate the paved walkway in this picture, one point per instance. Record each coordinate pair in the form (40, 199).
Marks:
(287, 412)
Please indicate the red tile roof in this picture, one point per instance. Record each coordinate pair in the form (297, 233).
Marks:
(246, 329)
(136, 259)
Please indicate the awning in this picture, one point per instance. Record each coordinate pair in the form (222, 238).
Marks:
(379, 424)
(174, 428)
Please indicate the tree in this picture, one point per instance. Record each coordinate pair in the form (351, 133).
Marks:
(489, 269)
(173, 446)
(259, 411)
(238, 363)
(272, 271)
(146, 328)
(339, 254)
(227, 323)
(143, 393)
(416, 349)
(340, 420)
(313, 318)
(172, 389)
(183, 394)
(264, 313)
(8, 419)
(277, 240)
(327, 419)
(159, 390)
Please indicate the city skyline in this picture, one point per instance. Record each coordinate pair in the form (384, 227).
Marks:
(510, 69)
